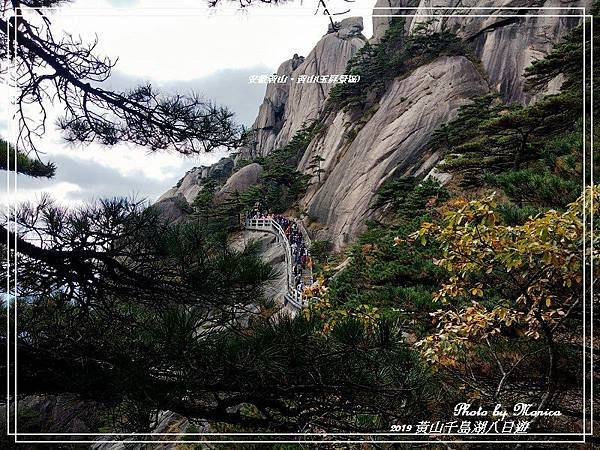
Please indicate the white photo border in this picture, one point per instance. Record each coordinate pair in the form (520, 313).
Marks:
(425, 438)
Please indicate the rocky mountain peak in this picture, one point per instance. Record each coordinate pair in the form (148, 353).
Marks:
(359, 151)
(296, 61)
(287, 106)
(347, 28)
(191, 183)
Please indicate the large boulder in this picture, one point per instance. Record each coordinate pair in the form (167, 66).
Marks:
(173, 209)
(348, 28)
(240, 181)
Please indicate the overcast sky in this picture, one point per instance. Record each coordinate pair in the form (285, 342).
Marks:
(184, 46)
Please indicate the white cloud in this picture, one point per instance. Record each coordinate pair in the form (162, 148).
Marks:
(187, 40)
(179, 46)
(61, 192)
(123, 3)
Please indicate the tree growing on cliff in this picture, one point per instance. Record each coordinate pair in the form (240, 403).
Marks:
(488, 139)
(509, 137)
(315, 166)
(397, 54)
(203, 203)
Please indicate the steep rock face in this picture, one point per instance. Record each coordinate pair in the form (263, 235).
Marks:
(329, 57)
(270, 118)
(392, 141)
(505, 45)
(390, 8)
(360, 153)
(394, 138)
(288, 106)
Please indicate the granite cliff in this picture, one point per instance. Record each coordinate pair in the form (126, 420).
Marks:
(359, 153)
(390, 143)
(288, 106)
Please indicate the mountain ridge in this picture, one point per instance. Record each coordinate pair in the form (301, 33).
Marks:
(358, 153)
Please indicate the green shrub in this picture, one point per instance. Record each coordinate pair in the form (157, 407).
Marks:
(280, 184)
(395, 55)
(514, 215)
(408, 196)
(537, 187)
(319, 249)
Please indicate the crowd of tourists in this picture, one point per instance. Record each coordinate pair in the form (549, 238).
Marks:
(301, 259)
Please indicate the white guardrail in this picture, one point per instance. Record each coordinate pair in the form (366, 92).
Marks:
(293, 296)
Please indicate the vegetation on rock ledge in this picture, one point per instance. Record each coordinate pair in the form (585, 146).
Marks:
(396, 55)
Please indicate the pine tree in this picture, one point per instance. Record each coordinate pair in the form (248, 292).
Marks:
(315, 166)
(25, 165)
(203, 202)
